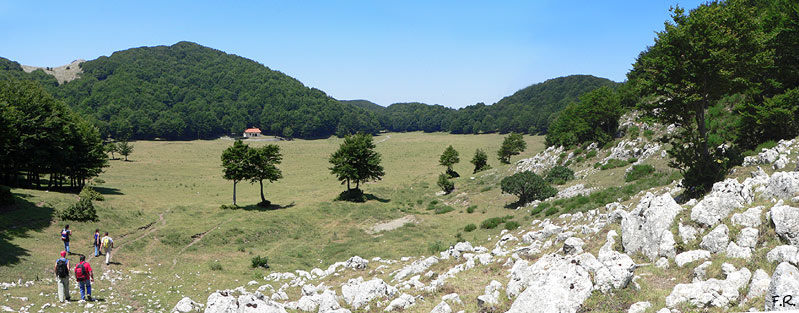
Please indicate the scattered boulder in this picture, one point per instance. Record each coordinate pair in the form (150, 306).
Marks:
(356, 263)
(724, 197)
(748, 237)
(687, 232)
(712, 292)
(786, 222)
(553, 284)
(646, 228)
(735, 251)
(782, 185)
(691, 256)
(749, 218)
(224, 302)
(639, 307)
(187, 305)
(453, 298)
(758, 286)
(700, 272)
(417, 267)
(662, 263)
(402, 302)
(357, 292)
(442, 307)
(573, 245)
(783, 253)
(716, 241)
(491, 295)
(784, 281)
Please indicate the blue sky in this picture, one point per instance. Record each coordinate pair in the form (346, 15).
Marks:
(454, 53)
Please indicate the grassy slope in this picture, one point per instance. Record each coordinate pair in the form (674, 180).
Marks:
(172, 191)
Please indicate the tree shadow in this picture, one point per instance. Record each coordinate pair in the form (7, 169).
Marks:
(108, 190)
(17, 221)
(270, 207)
(357, 195)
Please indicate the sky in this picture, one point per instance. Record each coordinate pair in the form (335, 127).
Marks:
(453, 53)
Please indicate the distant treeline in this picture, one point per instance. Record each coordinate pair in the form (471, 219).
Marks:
(529, 110)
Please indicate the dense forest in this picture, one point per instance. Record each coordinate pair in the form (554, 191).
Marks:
(187, 91)
(529, 110)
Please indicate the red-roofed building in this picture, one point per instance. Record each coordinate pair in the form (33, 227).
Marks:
(252, 132)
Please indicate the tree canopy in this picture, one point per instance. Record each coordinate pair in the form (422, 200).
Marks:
(513, 144)
(356, 161)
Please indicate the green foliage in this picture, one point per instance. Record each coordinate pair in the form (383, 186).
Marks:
(39, 136)
(527, 186)
(491, 223)
(614, 163)
(445, 183)
(448, 159)
(444, 209)
(125, 149)
(235, 165)
(215, 266)
(480, 161)
(590, 154)
(649, 133)
(541, 206)
(551, 211)
(259, 262)
(469, 228)
(559, 175)
(263, 163)
(633, 131)
(471, 209)
(90, 193)
(511, 225)
(82, 210)
(594, 118)
(356, 161)
(436, 247)
(639, 171)
(513, 144)
(611, 194)
(111, 147)
(774, 119)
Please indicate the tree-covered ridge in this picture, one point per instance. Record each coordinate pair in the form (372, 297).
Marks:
(366, 105)
(187, 91)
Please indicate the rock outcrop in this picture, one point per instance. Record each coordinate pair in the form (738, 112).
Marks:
(647, 228)
(722, 199)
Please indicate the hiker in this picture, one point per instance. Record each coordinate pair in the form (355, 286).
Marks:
(62, 276)
(85, 277)
(96, 242)
(65, 233)
(107, 244)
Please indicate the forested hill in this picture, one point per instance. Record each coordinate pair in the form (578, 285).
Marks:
(527, 111)
(365, 104)
(188, 91)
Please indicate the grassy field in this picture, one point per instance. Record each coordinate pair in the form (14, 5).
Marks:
(163, 209)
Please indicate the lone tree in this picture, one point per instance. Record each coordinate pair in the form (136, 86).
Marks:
(112, 148)
(512, 145)
(264, 161)
(448, 159)
(480, 161)
(125, 149)
(356, 161)
(527, 186)
(445, 184)
(235, 164)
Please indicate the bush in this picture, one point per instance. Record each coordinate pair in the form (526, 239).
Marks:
(6, 197)
(639, 171)
(259, 261)
(491, 223)
(83, 210)
(614, 163)
(471, 209)
(445, 183)
(590, 154)
(539, 208)
(559, 175)
(444, 209)
(527, 186)
(436, 247)
(512, 225)
(89, 193)
(551, 211)
(633, 131)
(215, 266)
(469, 228)
(649, 133)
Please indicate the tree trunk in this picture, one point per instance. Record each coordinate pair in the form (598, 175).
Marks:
(261, 182)
(357, 185)
(348, 185)
(234, 192)
(700, 126)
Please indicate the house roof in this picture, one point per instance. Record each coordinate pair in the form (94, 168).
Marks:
(252, 130)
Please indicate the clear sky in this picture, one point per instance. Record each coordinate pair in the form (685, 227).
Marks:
(454, 53)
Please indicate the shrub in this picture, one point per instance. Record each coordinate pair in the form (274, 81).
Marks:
(436, 247)
(491, 223)
(444, 209)
(89, 193)
(551, 211)
(614, 163)
(539, 208)
(259, 261)
(579, 159)
(639, 171)
(512, 225)
(215, 266)
(83, 210)
(633, 131)
(6, 197)
(527, 186)
(445, 183)
(471, 209)
(469, 228)
(590, 154)
(649, 133)
(559, 175)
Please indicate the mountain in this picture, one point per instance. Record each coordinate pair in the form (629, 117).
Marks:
(188, 91)
(366, 105)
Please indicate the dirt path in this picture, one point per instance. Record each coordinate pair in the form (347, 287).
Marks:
(148, 229)
(384, 139)
(392, 224)
(195, 239)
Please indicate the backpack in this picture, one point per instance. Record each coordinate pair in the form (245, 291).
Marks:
(80, 272)
(61, 269)
(64, 236)
(106, 242)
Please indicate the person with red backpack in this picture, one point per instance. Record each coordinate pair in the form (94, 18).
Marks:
(62, 276)
(85, 277)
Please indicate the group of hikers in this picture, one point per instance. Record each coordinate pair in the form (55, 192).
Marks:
(83, 270)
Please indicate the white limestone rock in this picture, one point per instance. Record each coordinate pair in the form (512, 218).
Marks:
(402, 302)
(662, 263)
(442, 307)
(452, 298)
(748, 237)
(687, 232)
(723, 198)
(700, 272)
(356, 263)
(553, 284)
(784, 282)
(782, 185)
(417, 267)
(786, 222)
(573, 245)
(749, 218)
(735, 251)
(187, 305)
(783, 253)
(357, 292)
(639, 307)
(716, 240)
(758, 286)
(690, 256)
(646, 228)
(491, 295)
(710, 293)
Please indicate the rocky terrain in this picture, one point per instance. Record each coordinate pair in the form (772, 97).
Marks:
(63, 73)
